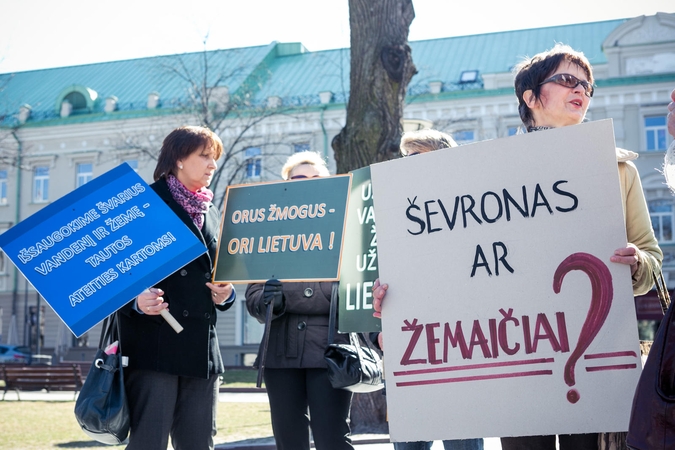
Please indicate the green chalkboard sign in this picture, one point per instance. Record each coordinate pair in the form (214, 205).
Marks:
(288, 230)
(359, 259)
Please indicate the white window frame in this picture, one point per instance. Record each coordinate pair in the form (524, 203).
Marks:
(253, 160)
(661, 216)
(82, 178)
(301, 147)
(3, 187)
(460, 141)
(40, 184)
(657, 131)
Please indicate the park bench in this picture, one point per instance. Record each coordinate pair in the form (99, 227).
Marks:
(36, 378)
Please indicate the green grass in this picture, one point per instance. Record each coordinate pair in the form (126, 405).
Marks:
(239, 378)
(51, 425)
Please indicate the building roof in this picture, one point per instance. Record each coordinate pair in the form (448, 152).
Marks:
(285, 70)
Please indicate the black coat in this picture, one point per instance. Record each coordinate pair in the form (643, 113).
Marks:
(149, 341)
(299, 333)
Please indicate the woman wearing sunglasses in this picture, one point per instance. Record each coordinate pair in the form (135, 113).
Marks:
(554, 89)
(295, 373)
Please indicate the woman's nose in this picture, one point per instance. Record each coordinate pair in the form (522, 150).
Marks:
(579, 88)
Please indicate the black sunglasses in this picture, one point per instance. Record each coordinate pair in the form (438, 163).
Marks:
(570, 81)
(298, 177)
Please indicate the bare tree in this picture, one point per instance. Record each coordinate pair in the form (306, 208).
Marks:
(381, 68)
(207, 101)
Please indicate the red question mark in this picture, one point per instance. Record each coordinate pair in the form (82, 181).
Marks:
(602, 293)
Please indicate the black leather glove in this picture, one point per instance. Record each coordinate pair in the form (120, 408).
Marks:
(273, 292)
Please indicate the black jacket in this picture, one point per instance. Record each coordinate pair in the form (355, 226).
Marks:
(299, 333)
(149, 341)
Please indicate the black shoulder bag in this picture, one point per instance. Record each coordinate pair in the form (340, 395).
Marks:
(352, 366)
(652, 419)
(101, 408)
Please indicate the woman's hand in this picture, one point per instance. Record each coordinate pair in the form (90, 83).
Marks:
(220, 292)
(150, 301)
(379, 291)
(627, 255)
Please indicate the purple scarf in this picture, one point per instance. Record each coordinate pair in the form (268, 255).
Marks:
(195, 203)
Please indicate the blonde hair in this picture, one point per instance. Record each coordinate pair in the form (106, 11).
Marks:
(306, 157)
(423, 141)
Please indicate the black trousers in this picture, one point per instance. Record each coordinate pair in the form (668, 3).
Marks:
(163, 405)
(567, 442)
(291, 393)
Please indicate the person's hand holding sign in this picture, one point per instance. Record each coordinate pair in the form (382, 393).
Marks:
(150, 302)
(628, 256)
(379, 291)
(220, 292)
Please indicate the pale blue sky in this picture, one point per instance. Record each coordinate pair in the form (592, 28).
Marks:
(37, 34)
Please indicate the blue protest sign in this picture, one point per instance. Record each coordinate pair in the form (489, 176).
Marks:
(95, 249)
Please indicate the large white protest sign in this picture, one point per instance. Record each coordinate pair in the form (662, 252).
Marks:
(504, 315)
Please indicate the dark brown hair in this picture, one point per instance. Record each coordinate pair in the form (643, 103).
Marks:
(531, 72)
(181, 143)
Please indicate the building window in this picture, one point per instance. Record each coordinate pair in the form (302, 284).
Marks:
(133, 163)
(302, 147)
(655, 133)
(3, 187)
(85, 173)
(41, 184)
(77, 100)
(463, 136)
(253, 162)
(661, 214)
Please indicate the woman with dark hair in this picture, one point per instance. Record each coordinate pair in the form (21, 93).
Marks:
(295, 373)
(172, 379)
(554, 89)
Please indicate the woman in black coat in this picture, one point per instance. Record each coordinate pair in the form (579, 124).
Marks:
(295, 372)
(172, 378)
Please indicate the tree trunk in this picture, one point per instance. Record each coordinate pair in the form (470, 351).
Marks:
(369, 413)
(381, 68)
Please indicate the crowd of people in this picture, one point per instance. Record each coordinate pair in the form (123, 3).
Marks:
(172, 379)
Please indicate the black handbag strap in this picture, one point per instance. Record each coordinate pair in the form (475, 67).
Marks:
(333, 312)
(110, 332)
(264, 344)
(661, 290)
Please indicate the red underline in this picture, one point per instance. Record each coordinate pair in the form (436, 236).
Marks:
(474, 366)
(616, 367)
(475, 378)
(611, 355)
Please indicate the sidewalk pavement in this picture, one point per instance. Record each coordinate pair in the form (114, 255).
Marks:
(361, 442)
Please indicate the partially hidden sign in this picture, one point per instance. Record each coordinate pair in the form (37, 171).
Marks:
(359, 259)
(93, 250)
(504, 315)
(288, 230)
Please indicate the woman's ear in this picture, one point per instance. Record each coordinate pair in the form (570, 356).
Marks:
(529, 98)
